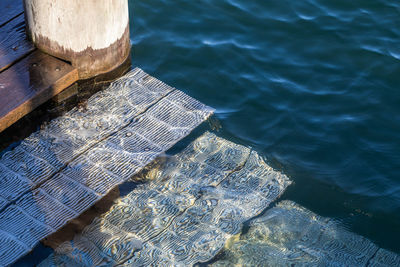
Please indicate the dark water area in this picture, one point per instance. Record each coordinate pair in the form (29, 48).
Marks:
(312, 85)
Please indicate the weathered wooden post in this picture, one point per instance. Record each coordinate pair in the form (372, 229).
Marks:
(91, 34)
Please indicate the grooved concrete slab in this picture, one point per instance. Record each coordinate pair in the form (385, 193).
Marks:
(60, 171)
(195, 201)
(291, 235)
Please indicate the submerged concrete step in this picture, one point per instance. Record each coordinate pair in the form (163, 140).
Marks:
(193, 206)
(63, 169)
(194, 202)
(291, 235)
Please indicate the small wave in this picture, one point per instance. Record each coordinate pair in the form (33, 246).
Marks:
(396, 55)
(229, 42)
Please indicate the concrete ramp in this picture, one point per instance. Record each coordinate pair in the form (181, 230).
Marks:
(290, 235)
(195, 201)
(60, 171)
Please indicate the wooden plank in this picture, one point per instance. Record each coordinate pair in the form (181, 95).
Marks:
(9, 10)
(60, 171)
(13, 42)
(31, 82)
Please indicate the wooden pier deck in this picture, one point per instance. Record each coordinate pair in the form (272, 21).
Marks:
(28, 77)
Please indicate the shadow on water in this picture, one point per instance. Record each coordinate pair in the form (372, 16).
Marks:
(76, 225)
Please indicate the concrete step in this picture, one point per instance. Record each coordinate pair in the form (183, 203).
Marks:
(60, 171)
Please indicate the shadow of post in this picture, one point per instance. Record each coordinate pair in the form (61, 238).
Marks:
(76, 225)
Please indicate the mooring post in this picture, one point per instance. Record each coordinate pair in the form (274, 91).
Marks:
(91, 34)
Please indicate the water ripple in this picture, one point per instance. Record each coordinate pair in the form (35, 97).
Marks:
(311, 84)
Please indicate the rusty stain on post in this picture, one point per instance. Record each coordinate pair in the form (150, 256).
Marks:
(92, 34)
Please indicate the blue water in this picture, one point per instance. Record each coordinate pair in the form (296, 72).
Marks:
(313, 85)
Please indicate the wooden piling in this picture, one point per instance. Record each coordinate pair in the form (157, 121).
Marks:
(91, 34)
